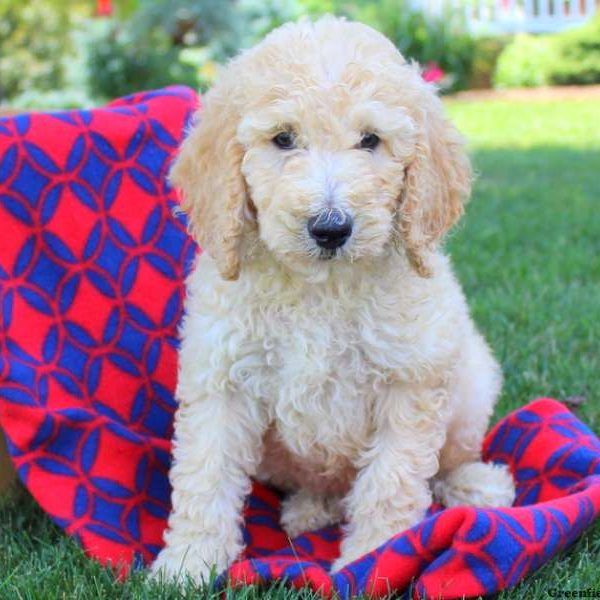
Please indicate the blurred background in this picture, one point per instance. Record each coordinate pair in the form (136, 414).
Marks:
(59, 54)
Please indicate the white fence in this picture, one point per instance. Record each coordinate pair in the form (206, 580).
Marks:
(510, 16)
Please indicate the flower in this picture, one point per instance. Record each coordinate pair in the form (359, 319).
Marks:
(433, 73)
(104, 8)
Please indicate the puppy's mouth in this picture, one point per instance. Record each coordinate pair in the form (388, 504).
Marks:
(328, 253)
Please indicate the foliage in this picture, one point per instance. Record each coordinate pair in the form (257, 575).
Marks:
(343, 8)
(424, 38)
(185, 23)
(62, 99)
(164, 42)
(145, 49)
(262, 16)
(525, 62)
(33, 42)
(119, 65)
(569, 57)
(579, 55)
(485, 56)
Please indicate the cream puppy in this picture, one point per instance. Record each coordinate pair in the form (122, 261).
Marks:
(327, 347)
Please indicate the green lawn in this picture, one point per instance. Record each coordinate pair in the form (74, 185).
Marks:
(528, 254)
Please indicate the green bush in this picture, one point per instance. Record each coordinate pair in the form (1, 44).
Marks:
(161, 43)
(579, 55)
(187, 23)
(262, 16)
(569, 57)
(33, 43)
(525, 62)
(119, 66)
(342, 8)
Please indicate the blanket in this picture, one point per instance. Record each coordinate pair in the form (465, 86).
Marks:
(92, 260)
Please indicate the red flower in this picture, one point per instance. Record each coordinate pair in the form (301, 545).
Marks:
(433, 73)
(103, 8)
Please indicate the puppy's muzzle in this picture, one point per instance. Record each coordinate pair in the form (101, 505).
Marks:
(331, 228)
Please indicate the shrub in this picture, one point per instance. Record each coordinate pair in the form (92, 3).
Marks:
(525, 62)
(262, 16)
(51, 99)
(119, 66)
(186, 23)
(579, 55)
(344, 8)
(148, 49)
(569, 57)
(33, 42)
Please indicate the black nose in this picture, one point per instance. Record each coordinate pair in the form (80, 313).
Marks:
(331, 228)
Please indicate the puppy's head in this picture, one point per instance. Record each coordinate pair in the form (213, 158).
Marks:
(326, 144)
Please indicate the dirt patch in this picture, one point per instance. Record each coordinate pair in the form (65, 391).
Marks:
(542, 94)
(9, 112)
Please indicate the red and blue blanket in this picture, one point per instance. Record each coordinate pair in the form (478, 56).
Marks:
(92, 260)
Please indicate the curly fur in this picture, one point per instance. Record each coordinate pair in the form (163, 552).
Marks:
(356, 383)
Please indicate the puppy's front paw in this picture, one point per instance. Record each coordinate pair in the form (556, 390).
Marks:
(176, 565)
(368, 536)
(354, 548)
(344, 560)
(198, 560)
(476, 484)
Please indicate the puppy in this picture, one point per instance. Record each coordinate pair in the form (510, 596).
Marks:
(327, 347)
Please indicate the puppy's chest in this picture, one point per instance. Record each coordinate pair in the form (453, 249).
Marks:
(321, 387)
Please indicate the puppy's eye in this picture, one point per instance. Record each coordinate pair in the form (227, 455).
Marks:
(285, 140)
(369, 141)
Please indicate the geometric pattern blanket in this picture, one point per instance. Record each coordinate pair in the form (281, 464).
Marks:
(92, 263)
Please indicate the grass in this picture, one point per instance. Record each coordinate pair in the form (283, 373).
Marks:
(528, 251)
(528, 254)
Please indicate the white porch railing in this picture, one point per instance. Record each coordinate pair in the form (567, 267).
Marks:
(511, 16)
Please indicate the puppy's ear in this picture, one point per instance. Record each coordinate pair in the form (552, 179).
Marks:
(437, 183)
(207, 170)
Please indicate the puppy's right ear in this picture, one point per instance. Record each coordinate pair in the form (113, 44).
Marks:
(438, 181)
(207, 170)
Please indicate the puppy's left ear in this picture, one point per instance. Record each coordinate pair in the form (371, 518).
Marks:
(207, 170)
(437, 183)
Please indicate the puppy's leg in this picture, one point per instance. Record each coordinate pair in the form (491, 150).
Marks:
(217, 447)
(302, 512)
(391, 492)
(463, 478)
